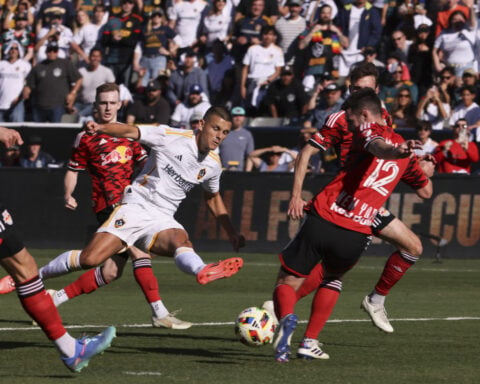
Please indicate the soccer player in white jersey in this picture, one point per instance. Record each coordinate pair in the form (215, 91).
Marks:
(178, 161)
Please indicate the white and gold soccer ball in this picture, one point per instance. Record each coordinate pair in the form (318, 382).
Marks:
(255, 327)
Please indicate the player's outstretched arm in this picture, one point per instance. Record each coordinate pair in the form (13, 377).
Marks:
(69, 184)
(379, 148)
(113, 129)
(217, 208)
(10, 137)
(295, 207)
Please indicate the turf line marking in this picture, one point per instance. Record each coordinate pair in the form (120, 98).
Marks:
(131, 373)
(209, 324)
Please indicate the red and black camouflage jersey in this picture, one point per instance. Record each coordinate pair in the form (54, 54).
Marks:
(335, 133)
(110, 162)
(353, 198)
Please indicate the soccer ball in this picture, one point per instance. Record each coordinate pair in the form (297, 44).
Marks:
(255, 327)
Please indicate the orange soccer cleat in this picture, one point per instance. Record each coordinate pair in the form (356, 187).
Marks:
(220, 270)
(7, 284)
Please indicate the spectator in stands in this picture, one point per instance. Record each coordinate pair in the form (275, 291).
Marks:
(362, 25)
(226, 96)
(50, 85)
(118, 40)
(216, 69)
(286, 97)
(448, 83)
(261, 66)
(153, 109)
(310, 9)
(195, 121)
(155, 46)
(186, 75)
(238, 144)
(455, 45)
(370, 56)
(456, 155)
(216, 24)
(306, 133)
(443, 17)
(194, 105)
(11, 157)
(470, 77)
(247, 29)
(85, 36)
(49, 8)
(270, 9)
(21, 33)
(324, 101)
(269, 159)
(35, 157)
(467, 109)
(13, 72)
(401, 45)
(424, 130)
(11, 12)
(54, 31)
(185, 18)
(289, 28)
(420, 59)
(93, 75)
(434, 107)
(323, 44)
(404, 110)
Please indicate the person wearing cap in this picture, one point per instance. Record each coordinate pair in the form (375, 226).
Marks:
(194, 105)
(152, 109)
(13, 72)
(155, 45)
(118, 39)
(35, 157)
(271, 159)
(54, 8)
(55, 31)
(470, 77)
(239, 143)
(186, 75)
(324, 101)
(23, 10)
(286, 97)
(184, 19)
(53, 85)
(22, 33)
(323, 42)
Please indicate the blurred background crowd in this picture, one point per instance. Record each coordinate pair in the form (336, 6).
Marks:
(271, 62)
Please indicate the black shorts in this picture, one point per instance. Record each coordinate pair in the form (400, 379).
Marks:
(10, 243)
(319, 240)
(383, 218)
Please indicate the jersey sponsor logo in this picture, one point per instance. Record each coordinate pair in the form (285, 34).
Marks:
(202, 173)
(120, 154)
(119, 223)
(182, 183)
(103, 141)
(7, 218)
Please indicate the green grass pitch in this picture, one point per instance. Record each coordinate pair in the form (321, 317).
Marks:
(435, 311)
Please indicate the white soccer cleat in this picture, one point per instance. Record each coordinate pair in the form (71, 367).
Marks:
(378, 314)
(269, 307)
(170, 321)
(310, 349)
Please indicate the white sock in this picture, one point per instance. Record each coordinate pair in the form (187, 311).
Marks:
(376, 298)
(66, 345)
(60, 297)
(64, 263)
(188, 261)
(158, 309)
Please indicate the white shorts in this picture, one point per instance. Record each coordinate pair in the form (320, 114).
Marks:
(137, 224)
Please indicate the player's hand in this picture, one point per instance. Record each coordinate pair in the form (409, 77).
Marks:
(295, 208)
(407, 148)
(70, 203)
(238, 241)
(10, 137)
(91, 127)
(427, 163)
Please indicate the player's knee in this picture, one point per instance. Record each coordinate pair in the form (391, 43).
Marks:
(110, 275)
(414, 248)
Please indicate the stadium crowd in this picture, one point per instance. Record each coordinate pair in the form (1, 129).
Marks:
(270, 61)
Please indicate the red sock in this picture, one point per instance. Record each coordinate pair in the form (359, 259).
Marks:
(397, 264)
(143, 272)
(322, 307)
(87, 283)
(312, 282)
(284, 299)
(39, 305)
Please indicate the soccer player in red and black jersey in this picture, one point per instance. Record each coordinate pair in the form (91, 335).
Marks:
(22, 269)
(339, 220)
(110, 161)
(386, 226)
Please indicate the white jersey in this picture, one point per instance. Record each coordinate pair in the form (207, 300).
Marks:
(187, 15)
(12, 81)
(173, 168)
(262, 61)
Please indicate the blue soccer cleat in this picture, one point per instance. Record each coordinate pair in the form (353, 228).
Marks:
(282, 341)
(87, 347)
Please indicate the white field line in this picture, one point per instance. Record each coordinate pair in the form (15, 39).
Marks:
(215, 324)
